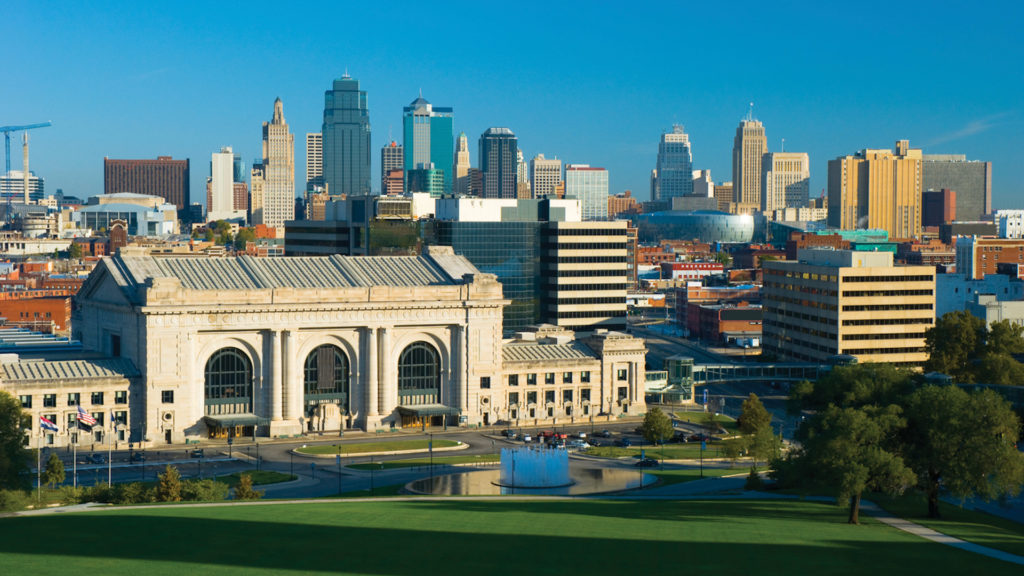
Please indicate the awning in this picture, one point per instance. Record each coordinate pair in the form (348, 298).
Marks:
(230, 420)
(428, 410)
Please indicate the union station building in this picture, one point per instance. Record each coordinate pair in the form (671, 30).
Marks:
(188, 348)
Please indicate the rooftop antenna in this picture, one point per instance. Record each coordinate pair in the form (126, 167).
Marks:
(783, 144)
(750, 114)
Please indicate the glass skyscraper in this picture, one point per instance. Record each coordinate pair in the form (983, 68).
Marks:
(589, 186)
(346, 139)
(675, 166)
(498, 152)
(429, 139)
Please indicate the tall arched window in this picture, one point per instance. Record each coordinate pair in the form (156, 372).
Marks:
(229, 385)
(419, 375)
(326, 378)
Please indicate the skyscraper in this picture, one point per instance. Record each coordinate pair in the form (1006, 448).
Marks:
(748, 150)
(674, 174)
(314, 161)
(392, 157)
(589, 186)
(971, 179)
(220, 187)
(346, 139)
(276, 174)
(786, 180)
(545, 174)
(461, 170)
(428, 138)
(878, 189)
(498, 147)
(163, 177)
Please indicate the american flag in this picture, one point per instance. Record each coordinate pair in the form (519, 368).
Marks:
(85, 418)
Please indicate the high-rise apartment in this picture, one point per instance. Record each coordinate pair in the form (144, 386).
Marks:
(220, 188)
(461, 171)
(878, 189)
(970, 179)
(786, 180)
(545, 174)
(428, 133)
(392, 157)
(163, 177)
(346, 139)
(589, 185)
(498, 148)
(276, 174)
(314, 161)
(830, 302)
(12, 185)
(674, 174)
(748, 150)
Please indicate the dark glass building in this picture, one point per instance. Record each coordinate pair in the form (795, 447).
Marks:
(346, 139)
(498, 159)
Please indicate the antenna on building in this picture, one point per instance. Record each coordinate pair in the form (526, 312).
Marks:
(750, 113)
(783, 144)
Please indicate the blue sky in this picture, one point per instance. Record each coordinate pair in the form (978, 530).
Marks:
(589, 82)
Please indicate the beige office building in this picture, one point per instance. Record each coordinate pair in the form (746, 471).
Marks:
(748, 149)
(273, 180)
(845, 302)
(314, 161)
(462, 178)
(587, 273)
(785, 180)
(545, 175)
(877, 189)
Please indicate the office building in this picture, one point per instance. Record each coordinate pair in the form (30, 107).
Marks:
(314, 161)
(276, 174)
(220, 188)
(545, 175)
(832, 302)
(674, 173)
(163, 177)
(748, 150)
(426, 179)
(703, 185)
(589, 185)
(461, 185)
(498, 169)
(786, 180)
(879, 189)
(12, 186)
(938, 207)
(141, 215)
(723, 194)
(1010, 223)
(429, 131)
(392, 157)
(346, 139)
(970, 179)
(977, 257)
(623, 203)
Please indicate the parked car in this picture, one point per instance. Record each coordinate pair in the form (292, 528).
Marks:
(578, 445)
(197, 453)
(646, 463)
(581, 435)
(138, 457)
(98, 459)
(605, 434)
(510, 434)
(527, 438)
(624, 442)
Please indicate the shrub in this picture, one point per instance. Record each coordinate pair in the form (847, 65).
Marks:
(13, 500)
(753, 481)
(245, 491)
(133, 493)
(70, 495)
(204, 490)
(168, 488)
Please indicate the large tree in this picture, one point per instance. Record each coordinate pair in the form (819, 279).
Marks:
(53, 474)
(753, 416)
(14, 456)
(953, 342)
(851, 386)
(168, 486)
(657, 426)
(963, 442)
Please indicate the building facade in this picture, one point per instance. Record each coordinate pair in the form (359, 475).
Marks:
(346, 139)
(1010, 223)
(586, 274)
(429, 133)
(392, 157)
(589, 185)
(545, 175)
(673, 175)
(786, 180)
(498, 153)
(221, 203)
(979, 257)
(461, 184)
(877, 189)
(971, 179)
(12, 186)
(163, 177)
(276, 173)
(314, 161)
(748, 149)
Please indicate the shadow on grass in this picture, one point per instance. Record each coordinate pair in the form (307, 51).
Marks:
(763, 537)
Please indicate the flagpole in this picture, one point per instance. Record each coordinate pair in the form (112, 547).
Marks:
(74, 454)
(110, 454)
(39, 466)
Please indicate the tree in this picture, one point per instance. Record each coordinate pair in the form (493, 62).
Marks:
(208, 235)
(245, 491)
(956, 338)
(14, 456)
(53, 474)
(75, 251)
(963, 442)
(763, 445)
(168, 486)
(1004, 337)
(244, 235)
(1001, 369)
(657, 426)
(754, 416)
(723, 258)
(852, 386)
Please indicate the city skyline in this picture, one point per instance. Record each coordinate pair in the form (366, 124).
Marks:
(140, 60)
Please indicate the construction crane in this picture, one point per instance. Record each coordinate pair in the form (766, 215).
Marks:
(7, 139)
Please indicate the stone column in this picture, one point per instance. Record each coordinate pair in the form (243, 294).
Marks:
(460, 375)
(370, 371)
(292, 376)
(276, 392)
(387, 391)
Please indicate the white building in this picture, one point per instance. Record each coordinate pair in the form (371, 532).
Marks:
(221, 188)
(786, 180)
(590, 186)
(13, 185)
(1011, 223)
(703, 185)
(954, 292)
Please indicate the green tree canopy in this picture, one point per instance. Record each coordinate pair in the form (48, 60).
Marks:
(855, 385)
(244, 235)
(956, 338)
(754, 416)
(14, 456)
(75, 251)
(53, 474)
(1004, 337)
(657, 426)
(245, 491)
(168, 486)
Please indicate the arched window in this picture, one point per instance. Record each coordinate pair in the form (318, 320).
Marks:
(419, 375)
(229, 386)
(326, 378)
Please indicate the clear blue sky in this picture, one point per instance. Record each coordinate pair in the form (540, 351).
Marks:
(590, 82)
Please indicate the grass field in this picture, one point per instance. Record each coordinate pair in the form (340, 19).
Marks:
(700, 419)
(367, 447)
(438, 461)
(477, 537)
(690, 450)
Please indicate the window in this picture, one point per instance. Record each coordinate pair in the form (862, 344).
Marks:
(531, 397)
(622, 374)
(121, 397)
(49, 400)
(121, 417)
(531, 379)
(74, 398)
(26, 401)
(513, 398)
(623, 392)
(326, 378)
(513, 379)
(549, 378)
(567, 396)
(485, 382)
(549, 396)
(115, 345)
(167, 396)
(99, 419)
(585, 395)
(419, 375)
(228, 382)
(566, 377)
(585, 377)
(97, 398)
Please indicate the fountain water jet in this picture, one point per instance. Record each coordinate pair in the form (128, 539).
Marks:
(534, 468)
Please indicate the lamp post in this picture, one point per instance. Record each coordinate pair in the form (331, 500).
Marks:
(430, 449)
(74, 453)
(257, 457)
(291, 463)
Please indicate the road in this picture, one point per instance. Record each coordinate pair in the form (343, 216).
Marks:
(661, 346)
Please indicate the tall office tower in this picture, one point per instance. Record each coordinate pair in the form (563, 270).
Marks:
(703, 185)
(314, 161)
(522, 168)
(848, 302)
(238, 169)
(429, 138)
(277, 174)
(723, 193)
(163, 177)
(586, 272)
(498, 147)
(461, 170)
(674, 175)
(346, 139)
(938, 207)
(748, 149)
(220, 187)
(786, 180)
(971, 179)
(544, 175)
(392, 157)
(590, 187)
(878, 189)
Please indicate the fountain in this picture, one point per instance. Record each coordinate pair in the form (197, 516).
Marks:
(534, 468)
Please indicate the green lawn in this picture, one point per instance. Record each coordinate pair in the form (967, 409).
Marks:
(260, 478)
(688, 475)
(438, 460)
(366, 447)
(700, 419)
(690, 450)
(477, 537)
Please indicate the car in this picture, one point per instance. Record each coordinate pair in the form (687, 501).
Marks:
(578, 445)
(197, 453)
(605, 434)
(97, 459)
(646, 463)
(624, 442)
(581, 435)
(138, 457)
(510, 434)
(527, 438)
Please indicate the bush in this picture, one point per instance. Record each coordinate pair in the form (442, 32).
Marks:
(204, 490)
(753, 481)
(70, 495)
(168, 487)
(13, 500)
(134, 493)
(245, 491)
(99, 493)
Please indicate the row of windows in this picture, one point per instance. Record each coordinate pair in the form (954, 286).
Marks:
(577, 287)
(876, 307)
(887, 321)
(876, 293)
(802, 275)
(549, 396)
(592, 314)
(587, 232)
(591, 259)
(589, 273)
(769, 324)
(800, 316)
(911, 350)
(799, 288)
(597, 300)
(926, 278)
(884, 336)
(791, 341)
(120, 417)
(75, 399)
(548, 245)
(549, 378)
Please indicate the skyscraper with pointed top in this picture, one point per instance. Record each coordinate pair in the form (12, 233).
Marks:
(461, 169)
(428, 133)
(273, 179)
(346, 139)
(748, 150)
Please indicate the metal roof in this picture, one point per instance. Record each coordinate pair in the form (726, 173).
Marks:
(533, 351)
(35, 370)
